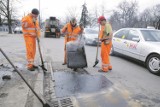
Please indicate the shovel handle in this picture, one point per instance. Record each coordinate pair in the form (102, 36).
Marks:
(39, 48)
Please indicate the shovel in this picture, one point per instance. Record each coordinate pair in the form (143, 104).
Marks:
(41, 99)
(97, 61)
(39, 48)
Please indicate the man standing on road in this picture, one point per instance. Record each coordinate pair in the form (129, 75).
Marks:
(72, 30)
(31, 31)
(106, 39)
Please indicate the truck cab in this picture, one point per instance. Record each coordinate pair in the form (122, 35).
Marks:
(52, 28)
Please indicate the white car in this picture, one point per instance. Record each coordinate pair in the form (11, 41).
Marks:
(91, 36)
(18, 29)
(141, 44)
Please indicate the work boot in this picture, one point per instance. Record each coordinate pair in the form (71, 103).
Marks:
(31, 68)
(110, 67)
(64, 63)
(34, 66)
(100, 70)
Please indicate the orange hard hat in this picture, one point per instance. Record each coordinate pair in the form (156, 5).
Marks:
(101, 18)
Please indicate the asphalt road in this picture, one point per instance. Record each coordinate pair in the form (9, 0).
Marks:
(14, 47)
(14, 91)
(126, 74)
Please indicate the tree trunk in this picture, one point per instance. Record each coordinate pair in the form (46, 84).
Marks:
(9, 17)
(0, 20)
(9, 25)
(158, 25)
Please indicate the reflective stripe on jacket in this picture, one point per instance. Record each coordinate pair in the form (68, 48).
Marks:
(28, 27)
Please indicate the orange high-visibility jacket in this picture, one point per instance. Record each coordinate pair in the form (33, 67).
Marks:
(72, 33)
(28, 26)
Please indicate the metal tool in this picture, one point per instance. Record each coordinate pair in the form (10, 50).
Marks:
(96, 60)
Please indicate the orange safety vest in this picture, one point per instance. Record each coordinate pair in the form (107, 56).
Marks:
(72, 33)
(28, 27)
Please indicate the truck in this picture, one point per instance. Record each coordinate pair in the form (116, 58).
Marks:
(52, 28)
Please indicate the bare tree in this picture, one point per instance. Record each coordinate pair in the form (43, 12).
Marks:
(96, 13)
(7, 11)
(116, 20)
(93, 16)
(125, 15)
(70, 13)
(92, 20)
(128, 12)
(66, 19)
(158, 25)
(156, 16)
(150, 16)
(102, 11)
(156, 11)
(145, 18)
(0, 20)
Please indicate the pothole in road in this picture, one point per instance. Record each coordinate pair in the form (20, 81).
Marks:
(68, 88)
(70, 83)
(85, 90)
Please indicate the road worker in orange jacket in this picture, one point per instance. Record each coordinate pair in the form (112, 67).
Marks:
(106, 39)
(72, 30)
(31, 31)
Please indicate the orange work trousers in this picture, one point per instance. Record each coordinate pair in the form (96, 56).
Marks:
(105, 52)
(30, 49)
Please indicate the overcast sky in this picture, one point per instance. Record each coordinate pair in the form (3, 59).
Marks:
(59, 8)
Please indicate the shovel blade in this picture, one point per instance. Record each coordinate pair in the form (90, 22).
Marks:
(42, 66)
(44, 69)
(96, 62)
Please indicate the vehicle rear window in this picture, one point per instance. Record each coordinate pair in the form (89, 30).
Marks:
(151, 35)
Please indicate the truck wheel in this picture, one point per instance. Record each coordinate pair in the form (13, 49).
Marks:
(45, 35)
(75, 69)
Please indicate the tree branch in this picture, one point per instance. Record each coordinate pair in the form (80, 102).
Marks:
(3, 4)
(4, 12)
